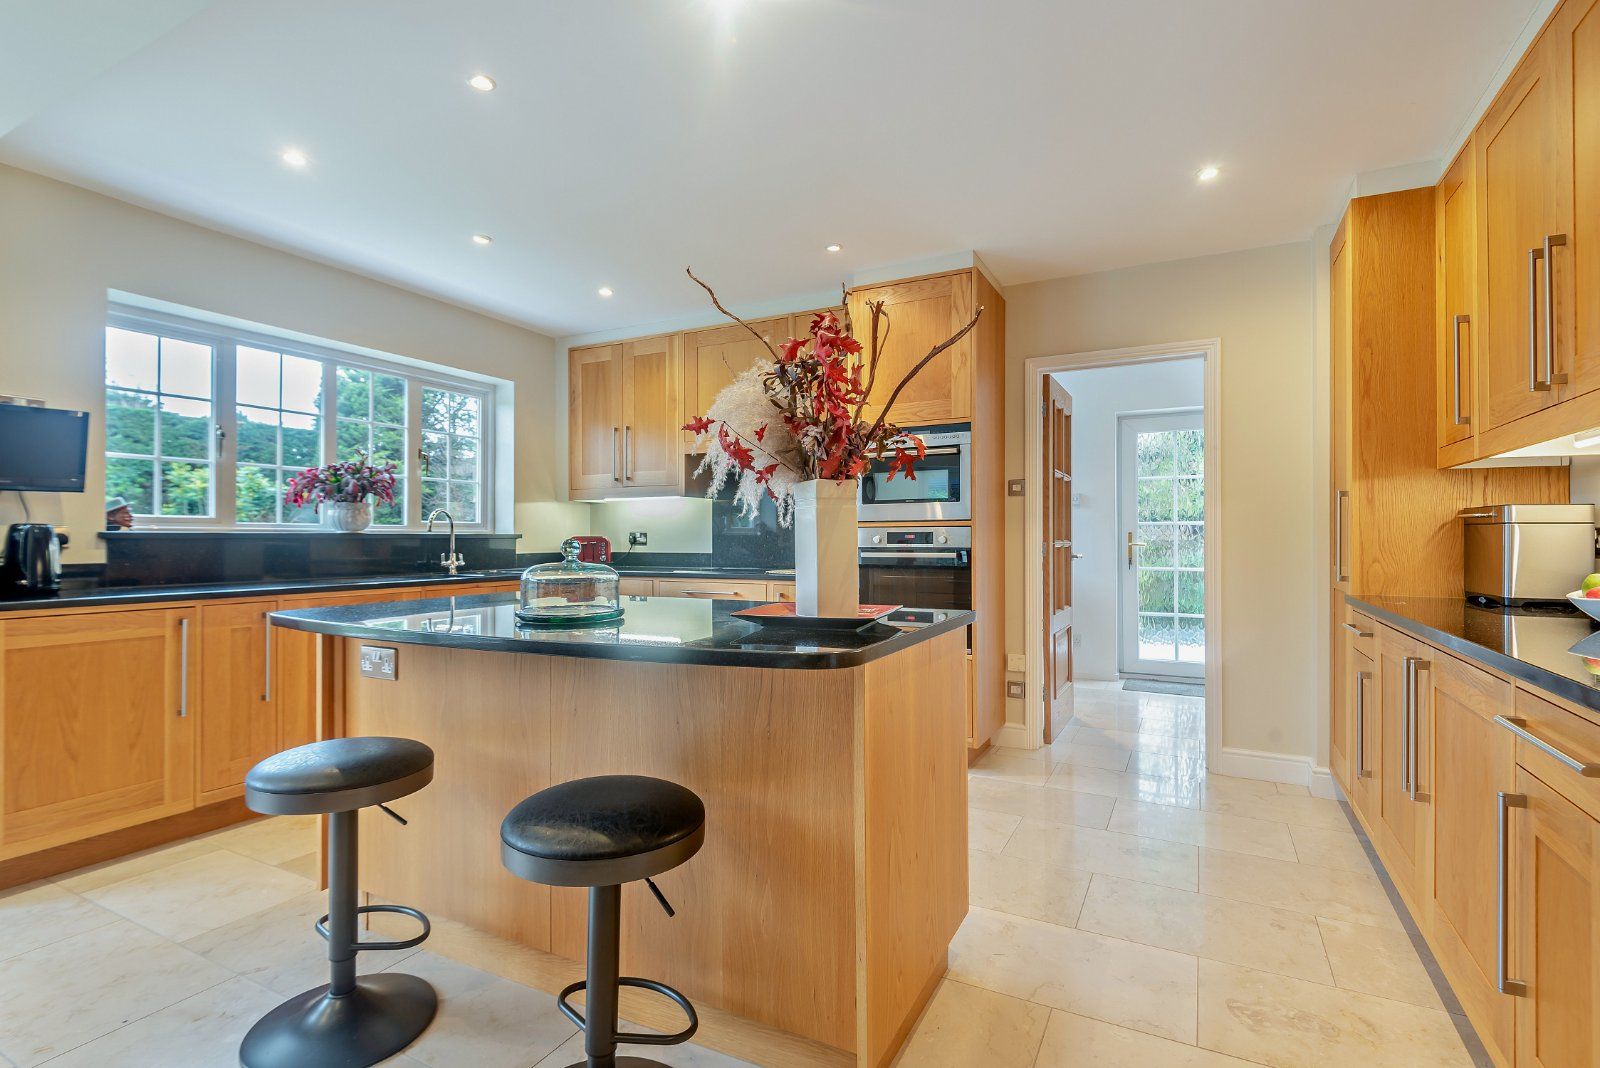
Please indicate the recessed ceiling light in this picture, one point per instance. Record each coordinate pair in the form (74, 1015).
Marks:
(605, 291)
(834, 248)
(481, 82)
(294, 157)
(1208, 174)
(482, 239)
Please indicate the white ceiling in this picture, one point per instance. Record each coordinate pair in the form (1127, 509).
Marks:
(628, 138)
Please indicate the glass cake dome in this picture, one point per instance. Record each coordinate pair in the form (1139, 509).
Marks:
(569, 591)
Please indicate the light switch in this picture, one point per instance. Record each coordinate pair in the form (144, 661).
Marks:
(1015, 487)
(378, 662)
(1015, 689)
(1016, 663)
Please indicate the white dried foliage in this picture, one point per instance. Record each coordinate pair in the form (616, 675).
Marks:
(744, 407)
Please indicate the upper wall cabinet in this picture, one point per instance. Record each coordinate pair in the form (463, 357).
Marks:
(1531, 337)
(624, 417)
(922, 313)
(714, 357)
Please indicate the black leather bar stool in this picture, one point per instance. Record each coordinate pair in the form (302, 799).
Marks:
(602, 832)
(350, 1022)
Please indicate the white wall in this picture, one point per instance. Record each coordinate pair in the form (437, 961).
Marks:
(675, 524)
(1099, 397)
(62, 248)
(1260, 303)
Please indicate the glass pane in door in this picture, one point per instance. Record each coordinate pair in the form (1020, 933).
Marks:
(1170, 558)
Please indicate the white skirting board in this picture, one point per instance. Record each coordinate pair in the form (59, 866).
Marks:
(1012, 736)
(1274, 767)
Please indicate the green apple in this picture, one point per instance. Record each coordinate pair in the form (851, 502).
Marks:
(1590, 583)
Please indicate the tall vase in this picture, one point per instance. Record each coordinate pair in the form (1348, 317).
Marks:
(826, 569)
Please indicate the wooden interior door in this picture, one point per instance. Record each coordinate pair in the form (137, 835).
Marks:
(594, 416)
(1580, 36)
(1473, 759)
(1453, 404)
(1058, 555)
(922, 313)
(652, 379)
(1556, 860)
(713, 358)
(1402, 668)
(97, 729)
(1520, 154)
(237, 716)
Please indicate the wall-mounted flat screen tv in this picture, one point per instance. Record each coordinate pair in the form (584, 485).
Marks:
(42, 448)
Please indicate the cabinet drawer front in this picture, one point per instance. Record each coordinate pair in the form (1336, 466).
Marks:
(636, 587)
(712, 589)
(1569, 734)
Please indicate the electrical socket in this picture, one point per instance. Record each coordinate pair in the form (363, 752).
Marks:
(638, 537)
(1015, 689)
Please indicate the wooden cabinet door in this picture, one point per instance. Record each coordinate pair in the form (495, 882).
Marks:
(781, 591)
(1366, 719)
(1579, 36)
(1342, 723)
(652, 452)
(1341, 507)
(98, 724)
(1473, 760)
(1556, 915)
(594, 430)
(922, 313)
(1520, 151)
(1455, 234)
(1402, 808)
(714, 357)
(237, 714)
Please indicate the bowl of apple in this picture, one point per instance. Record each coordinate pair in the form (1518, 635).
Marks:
(1587, 598)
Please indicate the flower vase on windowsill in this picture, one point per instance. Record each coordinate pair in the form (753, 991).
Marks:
(797, 430)
(343, 492)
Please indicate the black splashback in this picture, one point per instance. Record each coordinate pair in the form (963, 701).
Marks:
(737, 541)
(144, 557)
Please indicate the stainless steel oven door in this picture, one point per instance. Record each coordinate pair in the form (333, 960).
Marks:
(940, 492)
(918, 567)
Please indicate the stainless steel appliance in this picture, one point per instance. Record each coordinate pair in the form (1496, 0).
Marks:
(32, 564)
(1527, 553)
(919, 567)
(942, 489)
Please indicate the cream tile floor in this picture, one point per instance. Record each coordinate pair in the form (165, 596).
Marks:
(1127, 909)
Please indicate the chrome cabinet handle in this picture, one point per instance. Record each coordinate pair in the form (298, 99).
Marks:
(183, 668)
(1339, 572)
(266, 675)
(1413, 665)
(1357, 631)
(1535, 385)
(616, 461)
(1361, 723)
(867, 554)
(627, 442)
(1518, 726)
(1505, 985)
(708, 593)
(1551, 377)
(1460, 321)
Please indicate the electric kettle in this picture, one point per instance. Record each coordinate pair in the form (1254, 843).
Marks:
(32, 562)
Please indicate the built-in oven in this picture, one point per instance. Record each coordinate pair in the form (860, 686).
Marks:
(924, 567)
(941, 492)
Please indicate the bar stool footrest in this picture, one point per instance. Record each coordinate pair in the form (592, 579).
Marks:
(402, 910)
(634, 1037)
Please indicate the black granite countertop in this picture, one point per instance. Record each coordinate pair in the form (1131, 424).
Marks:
(91, 593)
(672, 630)
(1554, 648)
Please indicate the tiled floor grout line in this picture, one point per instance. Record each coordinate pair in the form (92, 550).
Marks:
(129, 1023)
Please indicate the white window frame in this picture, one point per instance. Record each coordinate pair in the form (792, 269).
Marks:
(224, 342)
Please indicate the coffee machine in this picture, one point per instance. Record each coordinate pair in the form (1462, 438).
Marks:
(32, 565)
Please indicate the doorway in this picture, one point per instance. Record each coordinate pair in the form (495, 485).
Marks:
(1161, 506)
(1085, 578)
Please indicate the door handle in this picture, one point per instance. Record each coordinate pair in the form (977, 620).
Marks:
(1519, 727)
(1535, 384)
(1077, 556)
(1132, 545)
(1413, 666)
(266, 675)
(1361, 723)
(1357, 631)
(1339, 572)
(183, 668)
(627, 441)
(1551, 377)
(1502, 982)
(1460, 321)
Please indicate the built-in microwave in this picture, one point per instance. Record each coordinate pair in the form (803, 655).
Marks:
(940, 492)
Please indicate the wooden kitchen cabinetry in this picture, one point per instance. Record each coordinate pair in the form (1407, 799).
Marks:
(715, 356)
(923, 312)
(712, 589)
(624, 418)
(238, 720)
(1403, 664)
(98, 714)
(1526, 195)
(1455, 205)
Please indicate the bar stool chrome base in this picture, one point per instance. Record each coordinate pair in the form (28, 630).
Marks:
(622, 1062)
(382, 1016)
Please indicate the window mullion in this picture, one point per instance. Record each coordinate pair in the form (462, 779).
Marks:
(225, 454)
(413, 511)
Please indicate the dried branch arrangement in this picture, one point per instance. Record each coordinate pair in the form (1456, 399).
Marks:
(802, 416)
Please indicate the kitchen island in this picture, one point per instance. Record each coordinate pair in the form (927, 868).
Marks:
(832, 767)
